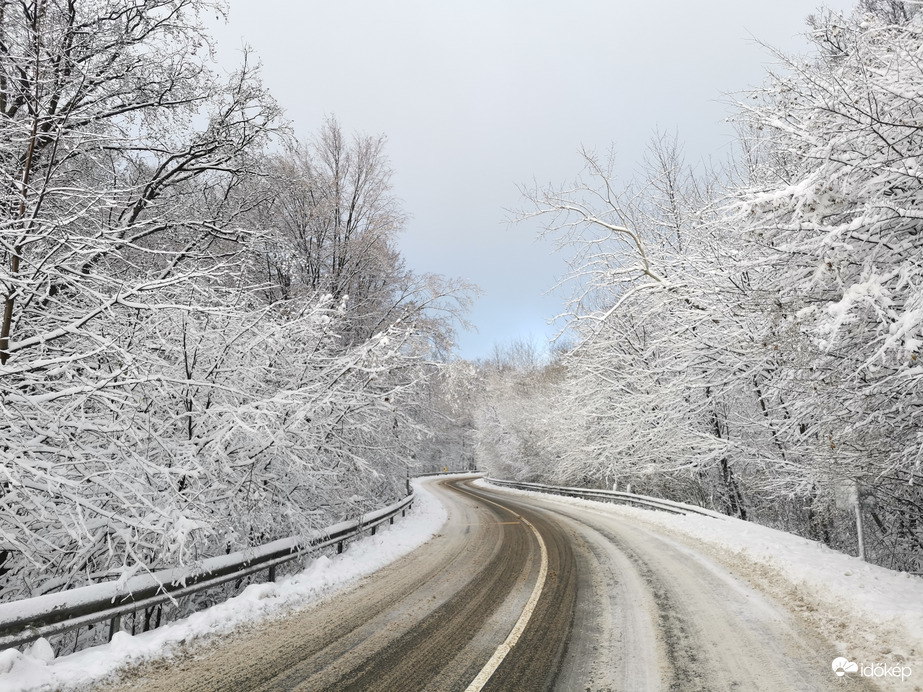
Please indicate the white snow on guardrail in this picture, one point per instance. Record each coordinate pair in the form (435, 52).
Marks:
(36, 669)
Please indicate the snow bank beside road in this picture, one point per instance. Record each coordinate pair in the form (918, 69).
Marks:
(871, 614)
(38, 670)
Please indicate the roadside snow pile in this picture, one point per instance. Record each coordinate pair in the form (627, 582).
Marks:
(37, 669)
(870, 613)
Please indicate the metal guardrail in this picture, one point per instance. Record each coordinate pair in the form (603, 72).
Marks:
(447, 473)
(612, 496)
(28, 619)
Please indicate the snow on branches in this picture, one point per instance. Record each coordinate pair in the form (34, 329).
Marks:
(164, 396)
(751, 339)
(834, 216)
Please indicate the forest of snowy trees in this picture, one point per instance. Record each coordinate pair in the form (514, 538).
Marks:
(209, 339)
(748, 337)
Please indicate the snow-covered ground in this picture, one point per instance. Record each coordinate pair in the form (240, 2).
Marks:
(37, 669)
(872, 615)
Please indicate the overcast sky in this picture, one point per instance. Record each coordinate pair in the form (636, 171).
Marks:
(479, 96)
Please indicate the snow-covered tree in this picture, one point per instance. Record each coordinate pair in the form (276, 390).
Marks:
(157, 408)
(753, 342)
(515, 414)
(833, 216)
(657, 369)
(120, 155)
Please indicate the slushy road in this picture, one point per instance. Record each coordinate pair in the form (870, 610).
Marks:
(524, 593)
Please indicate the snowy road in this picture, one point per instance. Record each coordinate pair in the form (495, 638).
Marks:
(654, 614)
(597, 602)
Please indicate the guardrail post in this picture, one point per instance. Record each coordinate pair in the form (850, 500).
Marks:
(391, 521)
(374, 528)
(115, 624)
(272, 573)
(339, 547)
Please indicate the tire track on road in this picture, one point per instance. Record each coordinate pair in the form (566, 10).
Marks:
(534, 662)
(714, 631)
(429, 621)
(414, 658)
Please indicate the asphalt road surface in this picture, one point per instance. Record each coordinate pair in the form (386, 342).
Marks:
(524, 594)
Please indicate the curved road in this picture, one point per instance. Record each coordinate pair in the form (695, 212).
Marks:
(524, 593)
